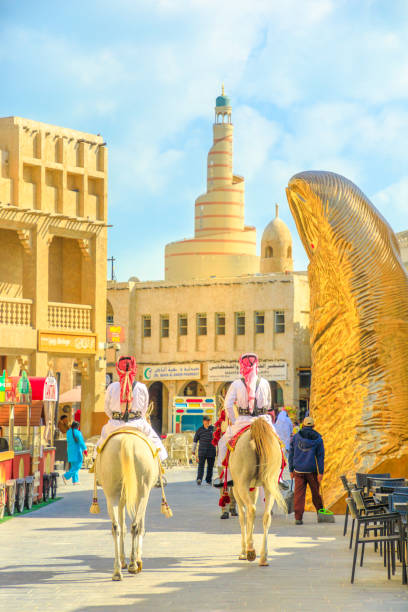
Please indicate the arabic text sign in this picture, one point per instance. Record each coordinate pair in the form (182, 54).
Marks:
(228, 371)
(66, 342)
(115, 333)
(176, 371)
(50, 393)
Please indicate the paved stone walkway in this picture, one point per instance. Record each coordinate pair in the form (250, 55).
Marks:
(60, 558)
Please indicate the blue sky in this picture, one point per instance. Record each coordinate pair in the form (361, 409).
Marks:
(315, 84)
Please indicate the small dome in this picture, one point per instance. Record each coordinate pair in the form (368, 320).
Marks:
(277, 231)
(222, 101)
(276, 247)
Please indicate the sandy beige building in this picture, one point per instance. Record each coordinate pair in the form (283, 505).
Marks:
(218, 299)
(53, 212)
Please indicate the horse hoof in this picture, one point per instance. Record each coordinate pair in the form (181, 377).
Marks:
(117, 576)
(123, 565)
(263, 563)
(135, 568)
(251, 555)
(242, 557)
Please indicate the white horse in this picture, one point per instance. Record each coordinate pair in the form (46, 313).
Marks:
(256, 461)
(127, 471)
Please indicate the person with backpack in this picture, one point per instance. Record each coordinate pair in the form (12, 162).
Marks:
(252, 394)
(306, 467)
(76, 449)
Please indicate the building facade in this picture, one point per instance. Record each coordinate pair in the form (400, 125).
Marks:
(218, 300)
(53, 212)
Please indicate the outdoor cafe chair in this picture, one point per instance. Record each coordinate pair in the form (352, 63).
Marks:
(348, 487)
(385, 528)
(374, 482)
(361, 479)
(365, 507)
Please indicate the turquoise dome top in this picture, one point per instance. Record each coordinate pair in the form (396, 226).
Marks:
(222, 101)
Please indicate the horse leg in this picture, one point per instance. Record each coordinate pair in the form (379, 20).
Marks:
(250, 503)
(113, 513)
(266, 520)
(122, 524)
(138, 529)
(241, 515)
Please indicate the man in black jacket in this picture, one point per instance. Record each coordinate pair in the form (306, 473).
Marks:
(206, 451)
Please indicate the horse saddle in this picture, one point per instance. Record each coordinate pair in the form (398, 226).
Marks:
(132, 431)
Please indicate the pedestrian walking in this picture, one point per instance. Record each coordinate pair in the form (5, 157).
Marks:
(76, 450)
(63, 424)
(206, 451)
(306, 466)
(284, 428)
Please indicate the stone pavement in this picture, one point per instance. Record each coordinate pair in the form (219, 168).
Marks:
(60, 558)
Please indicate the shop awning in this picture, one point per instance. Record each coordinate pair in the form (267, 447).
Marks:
(37, 413)
(73, 396)
(21, 414)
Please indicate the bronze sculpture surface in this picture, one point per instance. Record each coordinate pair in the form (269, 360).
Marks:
(358, 327)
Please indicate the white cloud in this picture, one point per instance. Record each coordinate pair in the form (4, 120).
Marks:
(393, 200)
(314, 83)
(253, 140)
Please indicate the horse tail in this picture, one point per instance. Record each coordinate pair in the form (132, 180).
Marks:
(129, 478)
(270, 457)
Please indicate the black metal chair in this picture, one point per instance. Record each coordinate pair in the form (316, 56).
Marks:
(384, 528)
(347, 487)
(373, 482)
(365, 507)
(361, 479)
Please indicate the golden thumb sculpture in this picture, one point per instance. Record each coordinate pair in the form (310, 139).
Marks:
(358, 327)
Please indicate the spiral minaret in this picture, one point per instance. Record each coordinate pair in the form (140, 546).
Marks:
(222, 244)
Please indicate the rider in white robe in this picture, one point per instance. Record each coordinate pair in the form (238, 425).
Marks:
(237, 393)
(137, 414)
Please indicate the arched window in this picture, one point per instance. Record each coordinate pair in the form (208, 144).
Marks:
(268, 252)
(289, 252)
(109, 312)
(193, 388)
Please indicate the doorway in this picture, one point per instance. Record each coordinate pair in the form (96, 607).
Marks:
(156, 415)
(277, 394)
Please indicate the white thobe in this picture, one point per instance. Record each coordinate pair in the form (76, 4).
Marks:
(284, 428)
(237, 393)
(140, 404)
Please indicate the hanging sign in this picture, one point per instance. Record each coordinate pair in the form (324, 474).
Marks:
(66, 342)
(115, 333)
(8, 388)
(224, 371)
(174, 371)
(24, 388)
(50, 393)
(3, 387)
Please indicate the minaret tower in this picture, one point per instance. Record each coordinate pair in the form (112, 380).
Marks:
(222, 244)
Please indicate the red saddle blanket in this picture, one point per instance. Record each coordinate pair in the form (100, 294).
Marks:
(232, 444)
